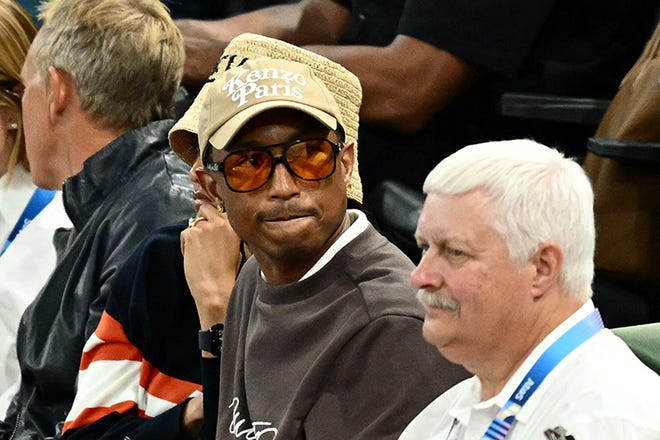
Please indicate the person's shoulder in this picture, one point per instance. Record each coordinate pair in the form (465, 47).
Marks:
(151, 282)
(157, 190)
(606, 374)
(168, 169)
(611, 392)
(248, 276)
(152, 149)
(608, 354)
(159, 252)
(168, 235)
(381, 273)
(160, 248)
(372, 250)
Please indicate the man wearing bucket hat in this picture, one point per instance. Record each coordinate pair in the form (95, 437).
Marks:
(322, 327)
(150, 288)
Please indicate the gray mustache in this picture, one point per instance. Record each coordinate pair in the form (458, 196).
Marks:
(444, 302)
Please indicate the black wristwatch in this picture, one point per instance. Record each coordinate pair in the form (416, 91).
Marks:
(211, 340)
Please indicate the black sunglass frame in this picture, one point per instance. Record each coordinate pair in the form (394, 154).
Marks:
(219, 167)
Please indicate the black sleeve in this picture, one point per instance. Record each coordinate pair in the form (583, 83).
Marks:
(165, 426)
(211, 383)
(148, 295)
(493, 34)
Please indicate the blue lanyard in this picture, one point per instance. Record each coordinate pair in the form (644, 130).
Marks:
(569, 341)
(38, 201)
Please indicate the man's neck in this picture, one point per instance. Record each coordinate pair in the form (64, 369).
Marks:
(87, 146)
(78, 137)
(520, 344)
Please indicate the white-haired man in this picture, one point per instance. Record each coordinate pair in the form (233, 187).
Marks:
(507, 232)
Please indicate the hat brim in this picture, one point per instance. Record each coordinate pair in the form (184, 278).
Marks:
(184, 143)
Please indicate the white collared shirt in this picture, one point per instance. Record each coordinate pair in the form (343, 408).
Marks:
(599, 391)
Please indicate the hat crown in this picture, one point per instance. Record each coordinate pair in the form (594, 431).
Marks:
(257, 85)
(265, 78)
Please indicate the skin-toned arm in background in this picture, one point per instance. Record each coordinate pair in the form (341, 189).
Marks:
(304, 22)
(404, 84)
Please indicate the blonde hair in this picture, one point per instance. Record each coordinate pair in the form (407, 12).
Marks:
(125, 57)
(17, 30)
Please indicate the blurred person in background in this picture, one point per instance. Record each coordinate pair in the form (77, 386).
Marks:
(433, 71)
(29, 215)
(100, 79)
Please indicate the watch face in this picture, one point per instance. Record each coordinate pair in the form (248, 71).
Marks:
(217, 327)
(217, 332)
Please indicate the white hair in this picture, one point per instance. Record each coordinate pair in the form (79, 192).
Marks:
(539, 196)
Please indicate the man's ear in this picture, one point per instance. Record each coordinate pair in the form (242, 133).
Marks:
(547, 261)
(208, 183)
(61, 91)
(347, 160)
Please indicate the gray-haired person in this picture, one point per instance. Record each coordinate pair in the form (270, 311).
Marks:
(508, 234)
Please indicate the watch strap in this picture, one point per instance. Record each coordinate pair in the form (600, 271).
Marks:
(211, 340)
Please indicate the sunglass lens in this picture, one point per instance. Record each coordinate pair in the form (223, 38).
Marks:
(247, 170)
(312, 159)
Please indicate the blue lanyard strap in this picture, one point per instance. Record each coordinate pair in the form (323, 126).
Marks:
(569, 341)
(38, 201)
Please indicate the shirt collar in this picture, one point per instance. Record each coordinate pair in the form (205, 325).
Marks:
(358, 225)
(101, 175)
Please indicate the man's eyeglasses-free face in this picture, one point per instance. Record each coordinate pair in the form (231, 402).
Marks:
(250, 169)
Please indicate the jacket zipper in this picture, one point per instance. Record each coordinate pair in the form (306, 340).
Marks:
(19, 413)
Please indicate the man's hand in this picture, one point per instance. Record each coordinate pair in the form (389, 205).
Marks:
(211, 260)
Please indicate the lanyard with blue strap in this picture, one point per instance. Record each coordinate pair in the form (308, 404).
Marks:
(38, 201)
(569, 341)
